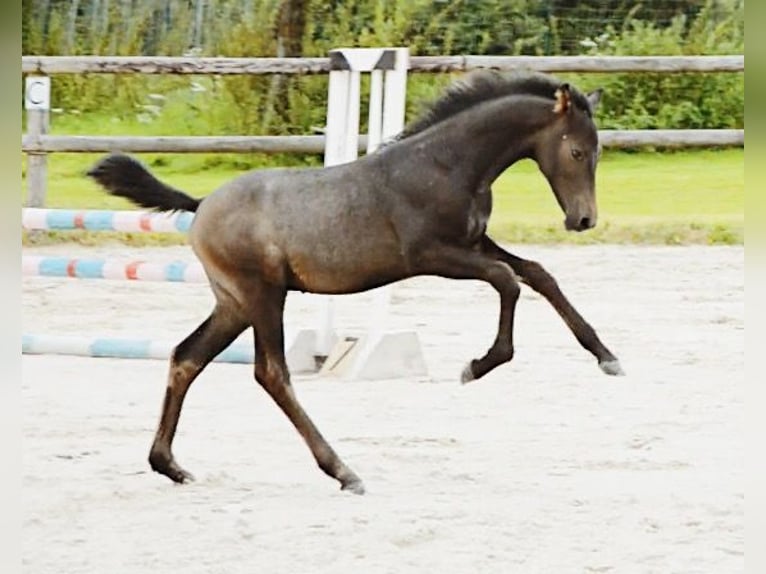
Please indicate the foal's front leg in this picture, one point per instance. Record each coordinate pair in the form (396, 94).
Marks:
(460, 263)
(534, 275)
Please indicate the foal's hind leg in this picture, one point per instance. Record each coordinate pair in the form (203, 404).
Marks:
(534, 275)
(272, 374)
(187, 361)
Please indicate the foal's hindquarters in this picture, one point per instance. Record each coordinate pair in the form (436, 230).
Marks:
(248, 280)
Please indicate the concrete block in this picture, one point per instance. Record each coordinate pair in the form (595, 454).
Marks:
(376, 356)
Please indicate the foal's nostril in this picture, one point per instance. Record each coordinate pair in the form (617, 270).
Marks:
(585, 223)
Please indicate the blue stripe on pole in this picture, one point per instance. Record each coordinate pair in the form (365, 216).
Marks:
(175, 271)
(54, 267)
(237, 354)
(98, 220)
(60, 219)
(89, 269)
(184, 220)
(121, 348)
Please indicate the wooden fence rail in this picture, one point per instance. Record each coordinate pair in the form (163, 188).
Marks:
(424, 64)
(315, 144)
(37, 142)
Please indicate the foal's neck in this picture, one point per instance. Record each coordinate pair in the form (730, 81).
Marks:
(489, 139)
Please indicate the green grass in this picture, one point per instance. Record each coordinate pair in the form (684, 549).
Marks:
(648, 197)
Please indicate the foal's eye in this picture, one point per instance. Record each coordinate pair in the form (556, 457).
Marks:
(577, 154)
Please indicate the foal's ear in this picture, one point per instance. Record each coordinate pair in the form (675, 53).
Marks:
(563, 99)
(594, 98)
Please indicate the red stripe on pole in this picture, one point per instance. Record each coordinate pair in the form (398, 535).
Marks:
(71, 268)
(79, 220)
(131, 270)
(145, 222)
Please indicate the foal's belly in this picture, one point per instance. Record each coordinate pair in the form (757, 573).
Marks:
(345, 263)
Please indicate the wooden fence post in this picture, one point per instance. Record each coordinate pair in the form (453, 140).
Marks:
(37, 104)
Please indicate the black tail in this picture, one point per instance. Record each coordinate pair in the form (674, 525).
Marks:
(124, 176)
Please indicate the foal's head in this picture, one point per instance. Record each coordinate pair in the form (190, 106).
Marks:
(566, 147)
(567, 152)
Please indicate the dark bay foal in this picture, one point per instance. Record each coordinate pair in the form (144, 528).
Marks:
(418, 206)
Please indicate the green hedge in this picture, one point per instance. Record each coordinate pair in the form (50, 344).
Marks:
(296, 105)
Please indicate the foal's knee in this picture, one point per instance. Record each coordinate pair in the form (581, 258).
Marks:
(536, 274)
(513, 290)
(503, 279)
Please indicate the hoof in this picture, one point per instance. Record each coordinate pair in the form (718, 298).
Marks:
(354, 486)
(612, 368)
(467, 375)
(171, 470)
(180, 476)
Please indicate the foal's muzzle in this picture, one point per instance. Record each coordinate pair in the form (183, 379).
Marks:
(579, 223)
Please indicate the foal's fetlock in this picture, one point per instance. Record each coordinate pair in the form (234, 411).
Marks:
(503, 354)
(163, 463)
(477, 368)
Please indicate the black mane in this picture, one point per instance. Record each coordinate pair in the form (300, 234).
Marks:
(485, 85)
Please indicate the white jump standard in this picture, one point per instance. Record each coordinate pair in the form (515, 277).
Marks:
(380, 353)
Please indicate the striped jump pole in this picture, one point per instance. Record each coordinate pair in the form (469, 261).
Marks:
(175, 271)
(35, 218)
(299, 349)
(120, 348)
